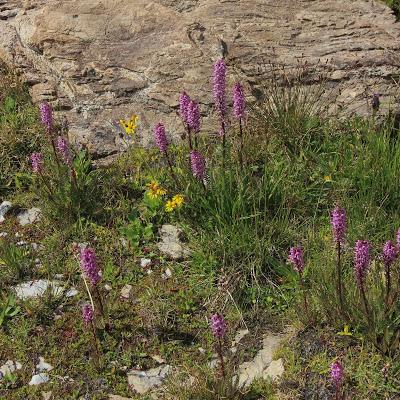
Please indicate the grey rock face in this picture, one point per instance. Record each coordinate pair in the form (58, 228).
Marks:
(99, 61)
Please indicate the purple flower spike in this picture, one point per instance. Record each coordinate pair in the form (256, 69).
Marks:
(64, 150)
(218, 326)
(339, 224)
(184, 101)
(337, 373)
(389, 253)
(160, 137)
(198, 164)
(46, 114)
(36, 162)
(89, 265)
(296, 258)
(361, 260)
(87, 314)
(219, 86)
(193, 116)
(239, 101)
(398, 238)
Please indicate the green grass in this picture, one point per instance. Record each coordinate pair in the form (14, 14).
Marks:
(297, 165)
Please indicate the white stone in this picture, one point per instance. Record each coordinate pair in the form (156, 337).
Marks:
(107, 287)
(29, 216)
(167, 274)
(4, 208)
(38, 379)
(126, 291)
(275, 370)
(170, 243)
(256, 368)
(9, 367)
(43, 365)
(33, 289)
(144, 262)
(240, 334)
(3, 234)
(144, 381)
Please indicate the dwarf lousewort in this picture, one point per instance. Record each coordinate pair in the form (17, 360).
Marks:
(296, 258)
(89, 265)
(160, 137)
(339, 224)
(36, 162)
(218, 326)
(46, 114)
(361, 260)
(239, 101)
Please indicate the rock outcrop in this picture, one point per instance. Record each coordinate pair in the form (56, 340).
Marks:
(101, 60)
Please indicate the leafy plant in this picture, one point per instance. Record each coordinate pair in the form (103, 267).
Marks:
(8, 309)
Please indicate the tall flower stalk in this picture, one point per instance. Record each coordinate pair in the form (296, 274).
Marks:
(339, 227)
(361, 266)
(296, 258)
(88, 319)
(389, 254)
(160, 137)
(64, 150)
(46, 116)
(219, 329)
(184, 105)
(337, 378)
(198, 165)
(219, 91)
(239, 106)
(92, 273)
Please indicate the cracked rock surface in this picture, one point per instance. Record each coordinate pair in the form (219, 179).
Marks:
(99, 61)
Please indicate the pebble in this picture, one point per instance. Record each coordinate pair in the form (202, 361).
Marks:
(9, 367)
(38, 379)
(30, 216)
(144, 262)
(4, 208)
(126, 291)
(33, 289)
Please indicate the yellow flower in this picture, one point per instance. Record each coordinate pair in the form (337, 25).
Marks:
(179, 200)
(155, 190)
(170, 206)
(176, 202)
(346, 331)
(327, 178)
(130, 125)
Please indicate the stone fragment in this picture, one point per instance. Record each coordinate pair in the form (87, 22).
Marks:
(37, 288)
(257, 368)
(126, 291)
(9, 367)
(167, 274)
(171, 244)
(43, 365)
(144, 262)
(275, 370)
(5, 206)
(30, 216)
(116, 397)
(144, 381)
(39, 379)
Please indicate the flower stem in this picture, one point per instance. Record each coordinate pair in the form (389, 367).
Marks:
(339, 277)
(221, 357)
(241, 143)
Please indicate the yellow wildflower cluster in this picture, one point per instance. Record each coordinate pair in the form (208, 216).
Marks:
(130, 125)
(155, 190)
(176, 202)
